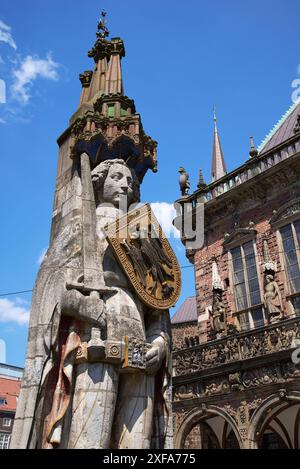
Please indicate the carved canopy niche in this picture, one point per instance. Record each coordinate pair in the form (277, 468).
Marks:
(286, 214)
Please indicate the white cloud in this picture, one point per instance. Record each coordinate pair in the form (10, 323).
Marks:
(5, 35)
(42, 256)
(2, 351)
(2, 121)
(31, 68)
(22, 302)
(14, 311)
(165, 213)
(2, 92)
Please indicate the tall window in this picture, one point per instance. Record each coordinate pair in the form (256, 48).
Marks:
(4, 440)
(290, 236)
(246, 287)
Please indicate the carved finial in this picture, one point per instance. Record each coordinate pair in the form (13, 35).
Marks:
(102, 32)
(268, 265)
(201, 184)
(101, 46)
(86, 78)
(217, 283)
(253, 151)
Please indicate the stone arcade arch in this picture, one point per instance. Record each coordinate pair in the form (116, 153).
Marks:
(219, 427)
(276, 422)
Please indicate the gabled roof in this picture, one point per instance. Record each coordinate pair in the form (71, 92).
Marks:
(187, 312)
(283, 130)
(9, 391)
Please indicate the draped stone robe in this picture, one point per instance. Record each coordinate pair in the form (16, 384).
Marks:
(67, 404)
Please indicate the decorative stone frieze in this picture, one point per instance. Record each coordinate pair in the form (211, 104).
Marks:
(243, 346)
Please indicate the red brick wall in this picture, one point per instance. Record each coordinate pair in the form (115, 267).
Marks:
(260, 214)
(181, 331)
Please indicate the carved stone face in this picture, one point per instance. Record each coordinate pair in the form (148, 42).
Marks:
(117, 185)
(269, 278)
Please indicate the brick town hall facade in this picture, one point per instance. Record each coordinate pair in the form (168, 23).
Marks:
(235, 383)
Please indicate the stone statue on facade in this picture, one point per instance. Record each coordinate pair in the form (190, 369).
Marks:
(76, 392)
(217, 314)
(272, 299)
(184, 182)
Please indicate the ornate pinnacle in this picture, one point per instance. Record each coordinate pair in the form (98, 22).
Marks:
(268, 264)
(100, 49)
(217, 283)
(102, 32)
(104, 47)
(253, 151)
(86, 78)
(201, 184)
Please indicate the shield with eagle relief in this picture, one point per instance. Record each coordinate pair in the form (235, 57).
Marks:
(146, 257)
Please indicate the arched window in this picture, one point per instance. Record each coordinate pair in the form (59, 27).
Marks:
(290, 238)
(246, 286)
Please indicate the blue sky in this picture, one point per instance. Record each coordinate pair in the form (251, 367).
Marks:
(182, 58)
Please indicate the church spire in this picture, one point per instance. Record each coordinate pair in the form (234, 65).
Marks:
(218, 168)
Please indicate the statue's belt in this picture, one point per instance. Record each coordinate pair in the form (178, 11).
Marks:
(129, 354)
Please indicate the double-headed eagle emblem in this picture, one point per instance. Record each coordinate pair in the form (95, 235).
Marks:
(146, 257)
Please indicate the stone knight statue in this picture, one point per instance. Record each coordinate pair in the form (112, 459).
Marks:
(98, 366)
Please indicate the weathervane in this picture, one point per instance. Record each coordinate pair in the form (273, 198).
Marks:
(215, 114)
(102, 32)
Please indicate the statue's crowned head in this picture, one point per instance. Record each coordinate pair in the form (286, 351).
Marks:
(113, 181)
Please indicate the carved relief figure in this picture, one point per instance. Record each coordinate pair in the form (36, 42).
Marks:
(272, 299)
